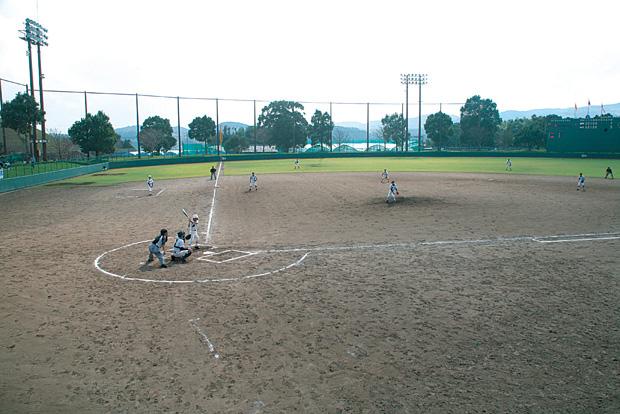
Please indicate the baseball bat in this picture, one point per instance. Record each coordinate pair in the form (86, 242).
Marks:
(185, 212)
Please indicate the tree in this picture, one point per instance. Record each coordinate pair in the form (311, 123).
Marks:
(20, 113)
(156, 134)
(394, 129)
(285, 123)
(479, 122)
(202, 129)
(236, 142)
(94, 133)
(438, 128)
(320, 129)
(340, 136)
(59, 145)
(532, 132)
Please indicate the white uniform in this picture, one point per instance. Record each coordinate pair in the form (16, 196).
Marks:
(150, 184)
(384, 176)
(253, 179)
(296, 164)
(581, 183)
(508, 165)
(192, 229)
(179, 250)
(391, 197)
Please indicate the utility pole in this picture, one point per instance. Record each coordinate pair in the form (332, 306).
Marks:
(35, 34)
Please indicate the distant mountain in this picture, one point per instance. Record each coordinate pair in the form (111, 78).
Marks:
(581, 112)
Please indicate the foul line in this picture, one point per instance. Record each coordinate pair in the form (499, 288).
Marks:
(204, 338)
(215, 187)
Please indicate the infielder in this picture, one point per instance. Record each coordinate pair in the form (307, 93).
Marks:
(297, 166)
(508, 165)
(212, 171)
(609, 172)
(385, 176)
(253, 179)
(150, 184)
(392, 193)
(192, 229)
(581, 182)
(156, 247)
(179, 251)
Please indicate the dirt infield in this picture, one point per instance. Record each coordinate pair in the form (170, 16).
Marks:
(473, 293)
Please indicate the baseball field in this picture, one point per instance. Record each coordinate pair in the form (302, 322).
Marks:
(479, 290)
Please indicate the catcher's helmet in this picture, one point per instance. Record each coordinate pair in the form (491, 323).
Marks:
(181, 234)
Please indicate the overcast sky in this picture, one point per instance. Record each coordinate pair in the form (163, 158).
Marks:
(522, 54)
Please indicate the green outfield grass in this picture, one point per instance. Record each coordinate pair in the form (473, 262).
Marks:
(591, 168)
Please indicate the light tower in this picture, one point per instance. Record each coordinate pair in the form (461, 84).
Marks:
(35, 34)
(420, 79)
(406, 79)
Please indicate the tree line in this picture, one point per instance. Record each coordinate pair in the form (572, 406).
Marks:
(283, 125)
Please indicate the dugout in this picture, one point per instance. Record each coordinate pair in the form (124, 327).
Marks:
(601, 134)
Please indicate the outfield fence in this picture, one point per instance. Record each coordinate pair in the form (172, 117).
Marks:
(11, 184)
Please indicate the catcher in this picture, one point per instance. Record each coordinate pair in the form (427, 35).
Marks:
(392, 193)
(179, 251)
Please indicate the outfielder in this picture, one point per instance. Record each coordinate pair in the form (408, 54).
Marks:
(156, 247)
(508, 165)
(150, 184)
(179, 251)
(392, 193)
(192, 229)
(581, 182)
(253, 179)
(297, 166)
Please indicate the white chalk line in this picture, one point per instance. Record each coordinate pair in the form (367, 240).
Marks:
(566, 238)
(204, 338)
(215, 187)
(161, 191)
(137, 279)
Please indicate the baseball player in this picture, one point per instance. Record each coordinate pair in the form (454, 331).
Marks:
(150, 184)
(212, 171)
(253, 179)
(508, 165)
(581, 182)
(157, 246)
(179, 251)
(297, 166)
(385, 176)
(192, 229)
(392, 193)
(609, 172)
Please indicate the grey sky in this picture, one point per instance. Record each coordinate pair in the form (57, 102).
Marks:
(523, 55)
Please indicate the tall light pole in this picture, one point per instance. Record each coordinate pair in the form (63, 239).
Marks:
(420, 79)
(35, 34)
(406, 79)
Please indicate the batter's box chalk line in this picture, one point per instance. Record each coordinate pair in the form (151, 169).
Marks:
(208, 256)
(97, 264)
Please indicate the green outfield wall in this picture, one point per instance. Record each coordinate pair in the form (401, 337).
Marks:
(11, 184)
